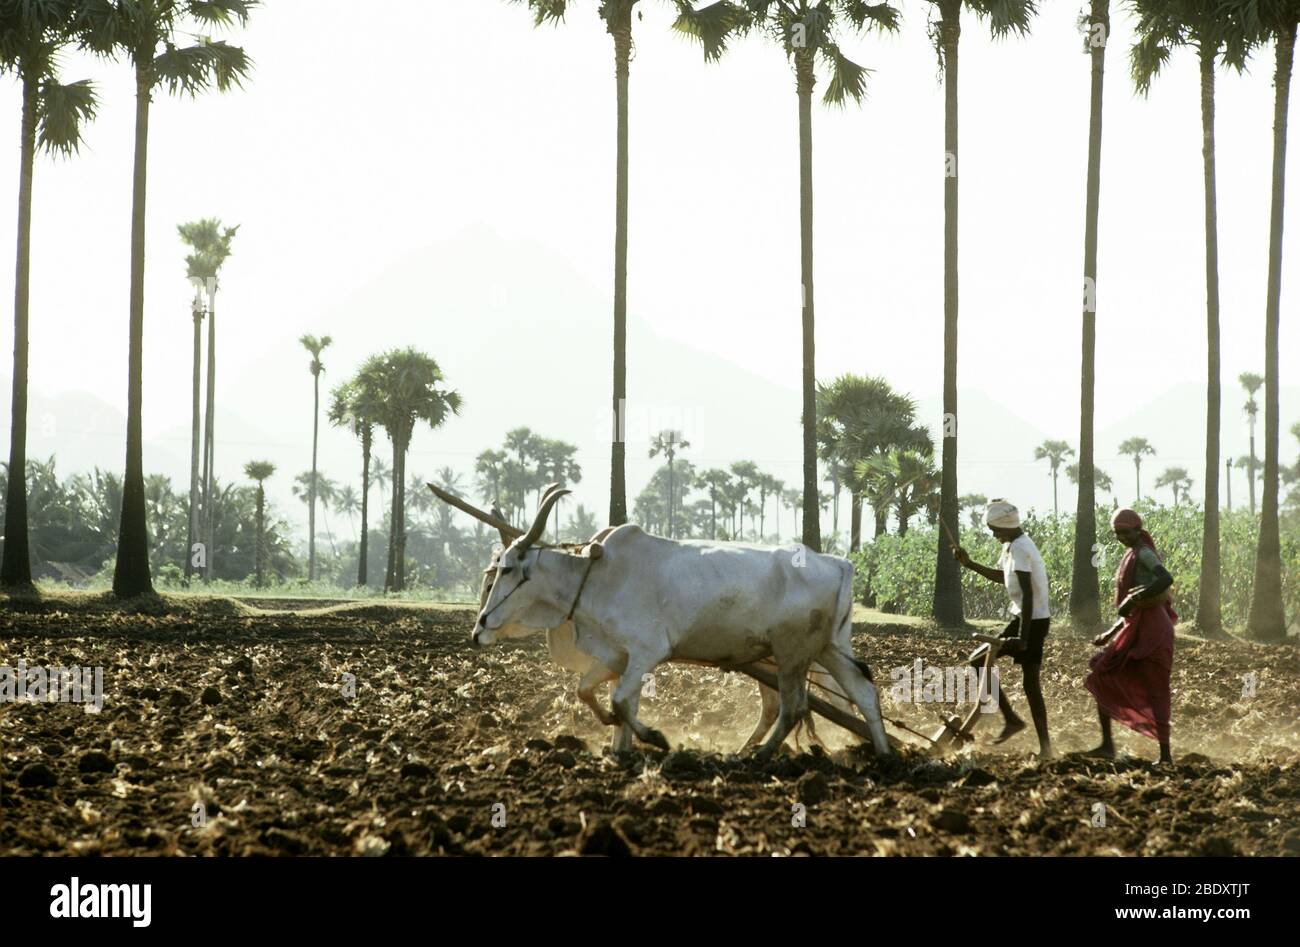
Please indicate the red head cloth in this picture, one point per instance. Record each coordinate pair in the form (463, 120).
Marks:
(1125, 519)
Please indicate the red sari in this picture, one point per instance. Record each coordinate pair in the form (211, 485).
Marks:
(1130, 676)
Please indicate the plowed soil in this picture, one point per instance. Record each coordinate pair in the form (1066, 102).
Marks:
(231, 730)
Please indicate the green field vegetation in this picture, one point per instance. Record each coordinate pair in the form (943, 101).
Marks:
(896, 573)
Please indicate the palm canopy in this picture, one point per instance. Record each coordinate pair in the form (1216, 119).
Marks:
(406, 387)
(1053, 452)
(32, 33)
(1164, 25)
(210, 243)
(807, 30)
(147, 31)
(258, 470)
(315, 346)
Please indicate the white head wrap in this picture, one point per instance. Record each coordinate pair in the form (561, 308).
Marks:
(1002, 514)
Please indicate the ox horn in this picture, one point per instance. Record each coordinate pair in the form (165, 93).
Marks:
(543, 514)
(494, 520)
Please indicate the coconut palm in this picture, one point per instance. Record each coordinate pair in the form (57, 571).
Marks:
(209, 244)
(1256, 22)
(407, 387)
(1252, 383)
(807, 32)
(669, 443)
(1085, 592)
(1137, 448)
(1054, 452)
(350, 409)
(489, 469)
(1162, 26)
(746, 476)
(149, 35)
(347, 502)
(314, 346)
(716, 481)
(259, 470)
(53, 114)
(1004, 17)
(382, 477)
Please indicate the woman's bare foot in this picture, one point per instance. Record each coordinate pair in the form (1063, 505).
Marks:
(1045, 751)
(1010, 730)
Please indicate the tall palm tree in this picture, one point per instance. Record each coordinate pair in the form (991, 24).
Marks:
(407, 387)
(381, 476)
(210, 247)
(489, 468)
(557, 463)
(1085, 590)
(347, 502)
(1054, 452)
(314, 346)
(746, 477)
(148, 33)
(1177, 480)
(1101, 480)
(807, 31)
(1252, 383)
(259, 470)
(669, 443)
(1276, 21)
(350, 409)
(1004, 17)
(860, 417)
(53, 113)
(1162, 26)
(1137, 448)
(715, 480)
(617, 15)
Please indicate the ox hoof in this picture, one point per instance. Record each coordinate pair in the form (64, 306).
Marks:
(655, 738)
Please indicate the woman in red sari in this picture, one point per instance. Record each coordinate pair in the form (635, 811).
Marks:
(1130, 676)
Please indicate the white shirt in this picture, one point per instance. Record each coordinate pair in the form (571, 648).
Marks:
(1023, 556)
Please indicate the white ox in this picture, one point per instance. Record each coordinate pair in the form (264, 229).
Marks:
(636, 600)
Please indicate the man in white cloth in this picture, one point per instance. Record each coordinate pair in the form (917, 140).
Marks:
(1021, 569)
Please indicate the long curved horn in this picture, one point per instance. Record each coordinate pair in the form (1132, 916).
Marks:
(543, 514)
(547, 492)
(507, 531)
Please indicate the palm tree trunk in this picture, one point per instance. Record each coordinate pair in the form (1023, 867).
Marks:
(311, 487)
(1227, 471)
(210, 443)
(1208, 608)
(670, 498)
(947, 579)
(131, 572)
(619, 26)
(392, 521)
(713, 515)
(1056, 506)
(1137, 473)
(855, 521)
(364, 550)
(259, 553)
(1253, 464)
(1085, 594)
(1267, 621)
(16, 569)
(399, 488)
(804, 79)
(195, 436)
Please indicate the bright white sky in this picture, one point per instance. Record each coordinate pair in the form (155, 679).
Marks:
(362, 140)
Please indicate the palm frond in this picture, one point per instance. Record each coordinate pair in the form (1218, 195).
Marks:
(1149, 55)
(194, 69)
(221, 12)
(1005, 17)
(713, 25)
(848, 79)
(62, 110)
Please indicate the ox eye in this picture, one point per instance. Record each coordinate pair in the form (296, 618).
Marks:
(505, 569)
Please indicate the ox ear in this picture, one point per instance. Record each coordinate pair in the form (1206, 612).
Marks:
(594, 551)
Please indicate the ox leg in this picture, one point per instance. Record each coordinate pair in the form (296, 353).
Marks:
(793, 682)
(627, 698)
(767, 716)
(594, 677)
(860, 690)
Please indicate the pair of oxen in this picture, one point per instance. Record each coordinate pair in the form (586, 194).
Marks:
(620, 605)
